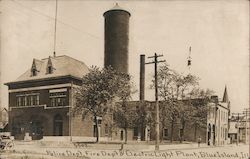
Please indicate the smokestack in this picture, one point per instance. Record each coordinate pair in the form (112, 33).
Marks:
(142, 77)
(116, 38)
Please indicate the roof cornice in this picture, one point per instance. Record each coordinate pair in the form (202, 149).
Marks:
(42, 79)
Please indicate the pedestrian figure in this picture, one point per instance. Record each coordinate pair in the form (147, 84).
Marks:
(122, 146)
(199, 141)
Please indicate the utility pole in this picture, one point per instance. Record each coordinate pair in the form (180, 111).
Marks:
(157, 126)
(246, 113)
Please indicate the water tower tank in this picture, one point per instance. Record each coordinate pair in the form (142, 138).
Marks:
(116, 38)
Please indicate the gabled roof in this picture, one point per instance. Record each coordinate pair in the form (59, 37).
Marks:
(62, 66)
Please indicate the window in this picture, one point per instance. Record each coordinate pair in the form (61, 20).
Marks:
(57, 99)
(34, 72)
(99, 121)
(23, 101)
(181, 132)
(221, 132)
(50, 69)
(27, 100)
(95, 131)
(49, 66)
(18, 99)
(165, 132)
(136, 133)
(106, 129)
(225, 133)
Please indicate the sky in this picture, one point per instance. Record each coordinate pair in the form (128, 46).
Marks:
(217, 31)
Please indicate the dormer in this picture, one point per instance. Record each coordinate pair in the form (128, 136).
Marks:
(49, 66)
(34, 68)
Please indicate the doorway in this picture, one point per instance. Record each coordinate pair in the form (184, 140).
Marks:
(58, 125)
(209, 135)
(121, 137)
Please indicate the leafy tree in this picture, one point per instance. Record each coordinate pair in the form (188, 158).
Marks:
(199, 118)
(143, 117)
(176, 92)
(99, 90)
(169, 91)
(129, 114)
(185, 84)
(124, 113)
(124, 116)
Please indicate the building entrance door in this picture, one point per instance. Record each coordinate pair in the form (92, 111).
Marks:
(209, 135)
(58, 125)
(121, 135)
(36, 130)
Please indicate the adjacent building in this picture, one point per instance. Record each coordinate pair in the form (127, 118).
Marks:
(217, 125)
(239, 128)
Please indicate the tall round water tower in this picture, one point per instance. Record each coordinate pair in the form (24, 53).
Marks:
(116, 38)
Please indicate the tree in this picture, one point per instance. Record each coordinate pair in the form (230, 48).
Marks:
(143, 117)
(99, 90)
(124, 113)
(168, 86)
(175, 89)
(186, 84)
(199, 118)
(124, 116)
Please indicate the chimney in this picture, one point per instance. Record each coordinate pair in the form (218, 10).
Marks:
(142, 77)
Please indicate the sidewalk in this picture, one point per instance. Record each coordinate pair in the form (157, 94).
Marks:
(140, 146)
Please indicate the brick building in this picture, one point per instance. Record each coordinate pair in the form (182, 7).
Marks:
(40, 99)
(213, 128)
